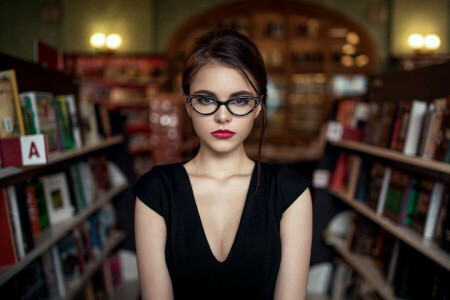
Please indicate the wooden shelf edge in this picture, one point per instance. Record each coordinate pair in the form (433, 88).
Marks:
(428, 164)
(92, 267)
(365, 267)
(55, 233)
(58, 157)
(407, 235)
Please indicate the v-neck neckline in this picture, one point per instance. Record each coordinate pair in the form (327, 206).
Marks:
(251, 187)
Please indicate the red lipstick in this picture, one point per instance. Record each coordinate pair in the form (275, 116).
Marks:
(223, 134)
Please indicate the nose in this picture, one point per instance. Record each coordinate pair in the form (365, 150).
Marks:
(222, 115)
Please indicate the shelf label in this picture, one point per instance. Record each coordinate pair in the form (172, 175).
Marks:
(335, 130)
(26, 150)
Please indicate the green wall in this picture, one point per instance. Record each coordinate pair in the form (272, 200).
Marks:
(146, 25)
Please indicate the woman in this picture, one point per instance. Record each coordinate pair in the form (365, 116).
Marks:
(222, 226)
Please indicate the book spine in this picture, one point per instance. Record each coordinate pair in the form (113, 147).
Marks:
(418, 112)
(383, 192)
(32, 211)
(72, 110)
(433, 210)
(15, 215)
(24, 218)
(8, 254)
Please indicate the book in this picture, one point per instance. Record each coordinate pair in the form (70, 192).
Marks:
(406, 196)
(60, 284)
(383, 191)
(50, 274)
(68, 256)
(439, 234)
(433, 210)
(386, 127)
(8, 254)
(443, 134)
(20, 196)
(107, 223)
(418, 111)
(63, 117)
(423, 202)
(56, 193)
(44, 221)
(432, 136)
(354, 170)
(411, 206)
(362, 186)
(46, 121)
(88, 183)
(339, 177)
(32, 210)
(29, 114)
(88, 119)
(73, 117)
(395, 195)
(11, 122)
(376, 175)
(78, 187)
(15, 218)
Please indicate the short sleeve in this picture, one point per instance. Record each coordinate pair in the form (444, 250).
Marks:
(292, 185)
(150, 190)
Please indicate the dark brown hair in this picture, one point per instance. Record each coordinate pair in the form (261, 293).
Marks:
(235, 50)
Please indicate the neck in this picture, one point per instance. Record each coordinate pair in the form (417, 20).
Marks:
(222, 165)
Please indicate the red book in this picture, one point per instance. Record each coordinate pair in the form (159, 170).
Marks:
(8, 254)
(339, 178)
(32, 210)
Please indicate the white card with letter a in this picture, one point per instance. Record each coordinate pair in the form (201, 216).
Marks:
(34, 150)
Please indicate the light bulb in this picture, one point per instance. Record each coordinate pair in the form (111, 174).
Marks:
(97, 40)
(113, 41)
(416, 41)
(432, 42)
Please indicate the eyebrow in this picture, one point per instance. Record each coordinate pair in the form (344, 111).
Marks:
(235, 94)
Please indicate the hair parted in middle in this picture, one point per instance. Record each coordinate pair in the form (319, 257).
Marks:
(235, 50)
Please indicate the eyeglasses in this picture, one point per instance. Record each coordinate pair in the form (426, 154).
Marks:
(206, 105)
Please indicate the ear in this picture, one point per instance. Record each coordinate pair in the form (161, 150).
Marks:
(188, 109)
(258, 110)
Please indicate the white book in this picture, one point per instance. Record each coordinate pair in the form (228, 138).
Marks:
(88, 183)
(383, 192)
(57, 197)
(418, 112)
(58, 272)
(15, 216)
(433, 210)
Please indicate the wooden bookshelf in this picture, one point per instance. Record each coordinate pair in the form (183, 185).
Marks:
(8, 173)
(407, 235)
(54, 233)
(364, 266)
(389, 154)
(93, 267)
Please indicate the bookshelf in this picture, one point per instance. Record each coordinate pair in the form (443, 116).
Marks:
(426, 247)
(89, 192)
(302, 46)
(392, 155)
(55, 233)
(408, 191)
(11, 173)
(364, 266)
(94, 266)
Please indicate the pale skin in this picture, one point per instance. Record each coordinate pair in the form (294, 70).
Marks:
(222, 168)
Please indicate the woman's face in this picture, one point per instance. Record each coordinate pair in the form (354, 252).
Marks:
(221, 82)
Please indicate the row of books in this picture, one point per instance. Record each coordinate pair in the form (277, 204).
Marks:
(408, 200)
(416, 128)
(29, 208)
(65, 123)
(401, 266)
(57, 272)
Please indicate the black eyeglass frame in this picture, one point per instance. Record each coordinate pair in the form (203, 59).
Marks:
(256, 99)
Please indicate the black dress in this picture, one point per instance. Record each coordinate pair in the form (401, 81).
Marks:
(251, 268)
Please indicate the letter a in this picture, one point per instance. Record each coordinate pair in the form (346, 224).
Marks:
(33, 150)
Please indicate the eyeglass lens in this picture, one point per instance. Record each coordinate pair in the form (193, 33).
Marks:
(238, 106)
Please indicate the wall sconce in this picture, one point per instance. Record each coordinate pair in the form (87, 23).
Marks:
(100, 41)
(418, 42)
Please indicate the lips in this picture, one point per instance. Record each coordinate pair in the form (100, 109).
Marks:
(223, 134)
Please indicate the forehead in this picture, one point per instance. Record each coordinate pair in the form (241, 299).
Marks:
(220, 79)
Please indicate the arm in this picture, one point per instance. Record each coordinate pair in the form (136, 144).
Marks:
(296, 235)
(150, 230)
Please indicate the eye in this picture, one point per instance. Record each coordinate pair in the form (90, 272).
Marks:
(240, 101)
(204, 100)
